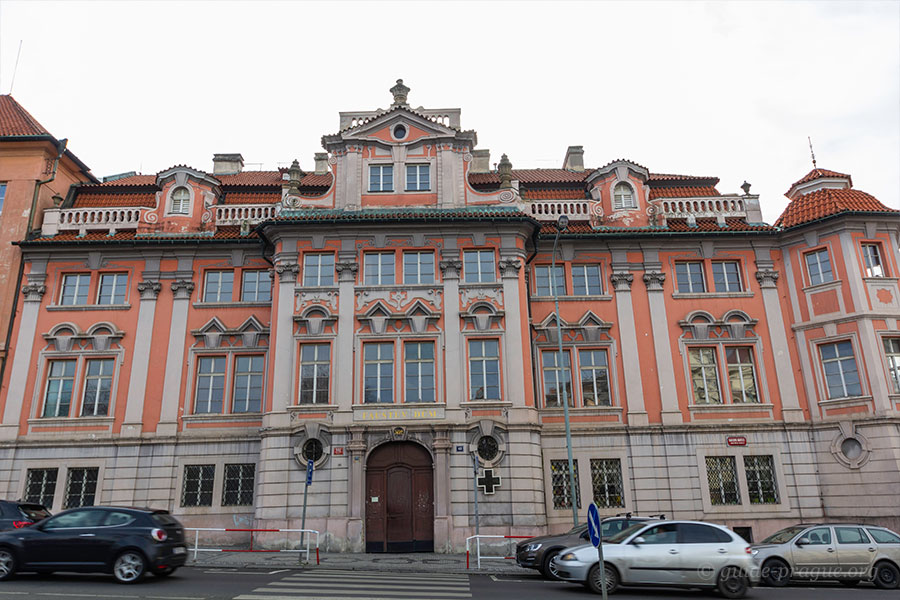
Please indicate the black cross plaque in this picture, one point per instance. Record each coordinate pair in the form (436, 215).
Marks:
(488, 482)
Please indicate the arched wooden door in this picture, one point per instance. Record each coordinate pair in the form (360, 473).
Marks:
(399, 499)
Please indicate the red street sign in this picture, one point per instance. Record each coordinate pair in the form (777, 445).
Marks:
(338, 451)
(737, 440)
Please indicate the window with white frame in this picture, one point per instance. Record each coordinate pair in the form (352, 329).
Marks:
(256, 286)
(559, 483)
(762, 485)
(418, 267)
(544, 286)
(818, 266)
(741, 374)
(81, 487)
(237, 489)
(419, 363)
(378, 268)
(97, 387)
(75, 287)
(197, 485)
(726, 276)
(318, 270)
(40, 486)
(210, 384)
(704, 376)
(484, 369)
(872, 258)
(181, 201)
(689, 277)
(249, 370)
(113, 288)
(315, 368)
(606, 481)
(892, 353)
(594, 369)
(587, 280)
(378, 372)
(479, 267)
(623, 197)
(722, 476)
(60, 383)
(381, 178)
(557, 378)
(418, 178)
(841, 374)
(217, 286)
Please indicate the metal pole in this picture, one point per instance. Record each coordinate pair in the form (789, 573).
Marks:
(303, 523)
(565, 395)
(475, 491)
(602, 565)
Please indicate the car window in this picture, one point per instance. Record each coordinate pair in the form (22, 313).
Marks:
(694, 533)
(850, 535)
(625, 534)
(883, 536)
(661, 534)
(783, 536)
(613, 527)
(35, 512)
(820, 536)
(75, 518)
(117, 519)
(165, 518)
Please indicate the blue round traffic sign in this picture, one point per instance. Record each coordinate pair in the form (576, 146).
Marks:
(594, 525)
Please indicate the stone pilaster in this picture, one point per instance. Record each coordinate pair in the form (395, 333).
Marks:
(453, 353)
(347, 268)
(356, 488)
(283, 352)
(140, 360)
(515, 357)
(634, 390)
(665, 369)
(171, 396)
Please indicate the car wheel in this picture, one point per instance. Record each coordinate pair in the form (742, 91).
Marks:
(776, 573)
(548, 569)
(7, 564)
(612, 579)
(887, 576)
(165, 572)
(129, 566)
(732, 583)
(849, 582)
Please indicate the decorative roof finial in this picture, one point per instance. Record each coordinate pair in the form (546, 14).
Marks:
(295, 175)
(504, 168)
(746, 187)
(400, 92)
(813, 154)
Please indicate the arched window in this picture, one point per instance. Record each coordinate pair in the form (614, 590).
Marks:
(623, 197)
(181, 201)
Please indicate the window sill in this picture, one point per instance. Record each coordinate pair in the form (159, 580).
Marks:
(819, 287)
(231, 304)
(581, 410)
(71, 421)
(679, 296)
(219, 418)
(884, 279)
(478, 284)
(573, 298)
(64, 307)
(485, 403)
(848, 401)
(733, 407)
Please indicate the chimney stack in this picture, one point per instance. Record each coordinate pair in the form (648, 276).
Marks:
(321, 163)
(227, 164)
(574, 159)
(481, 162)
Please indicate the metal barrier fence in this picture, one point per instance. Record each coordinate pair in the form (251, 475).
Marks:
(479, 557)
(198, 549)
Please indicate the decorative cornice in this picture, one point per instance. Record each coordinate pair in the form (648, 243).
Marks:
(182, 289)
(767, 278)
(509, 267)
(654, 281)
(347, 271)
(34, 292)
(287, 271)
(621, 281)
(450, 268)
(149, 290)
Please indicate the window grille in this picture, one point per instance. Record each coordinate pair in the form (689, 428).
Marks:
(197, 486)
(256, 286)
(378, 372)
(210, 384)
(741, 374)
(418, 267)
(594, 378)
(60, 382)
(238, 487)
(484, 369)
(81, 487)
(841, 375)
(689, 277)
(381, 178)
(703, 375)
(762, 486)
(40, 486)
(892, 352)
(379, 268)
(218, 286)
(726, 276)
(818, 265)
(248, 383)
(313, 449)
(419, 371)
(318, 270)
(559, 482)
(418, 178)
(606, 480)
(97, 386)
(546, 286)
(488, 448)
(75, 289)
(113, 288)
(872, 256)
(555, 377)
(478, 266)
(721, 473)
(587, 280)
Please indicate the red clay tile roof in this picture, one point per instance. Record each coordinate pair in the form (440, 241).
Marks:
(732, 225)
(529, 176)
(249, 178)
(414, 213)
(93, 199)
(670, 177)
(685, 191)
(70, 237)
(827, 202)
(15, 120)
(570, 194)
(134, 180)
(817, 173)
(258, 197)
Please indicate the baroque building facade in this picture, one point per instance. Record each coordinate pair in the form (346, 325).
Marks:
(191, 339)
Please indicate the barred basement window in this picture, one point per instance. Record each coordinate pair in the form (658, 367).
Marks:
(488, 448)
(238, 488)
(40, 486)
(559, 482)
(606, 480)
(81, 487)
(721, 473)
(313, 450)
(197, 487)
(761, 484)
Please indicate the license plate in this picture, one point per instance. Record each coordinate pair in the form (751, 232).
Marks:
(179, 550)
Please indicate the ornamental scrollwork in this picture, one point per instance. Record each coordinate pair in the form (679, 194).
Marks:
(654, 281)
(182, 289)
(621, 281)
(450, 268)
(149, 290)
(287, 271)
(347, 270)
(509, 267)
(767, 278)
(34, 292)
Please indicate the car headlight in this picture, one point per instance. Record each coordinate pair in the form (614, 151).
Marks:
(532, 547)
(568, 556)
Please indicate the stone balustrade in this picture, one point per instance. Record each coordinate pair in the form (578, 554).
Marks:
(717, 207)
(551, 211)
(83, 220)
(238, 214)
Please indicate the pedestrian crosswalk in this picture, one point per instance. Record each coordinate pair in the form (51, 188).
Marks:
(356, 585)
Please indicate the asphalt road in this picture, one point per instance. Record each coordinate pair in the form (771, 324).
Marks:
(321, 584)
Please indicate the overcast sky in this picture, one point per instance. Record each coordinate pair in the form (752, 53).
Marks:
(725, 89)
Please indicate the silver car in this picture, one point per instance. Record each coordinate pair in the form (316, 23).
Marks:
(686, 554)
(848, 552)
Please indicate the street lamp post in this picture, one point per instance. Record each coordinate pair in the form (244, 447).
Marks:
(561, 224)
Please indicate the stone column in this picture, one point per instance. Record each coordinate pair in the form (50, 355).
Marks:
(283, 358)
(514, 351)
(168, 418)
(631, 359)
(442, 518)
(784, 373)
(356, 488)
(454, 373)
(665, 370)
(140, 361)
(343, 365)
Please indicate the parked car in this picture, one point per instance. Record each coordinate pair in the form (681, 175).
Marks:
(126, 542)
(15, 514)
(687, 554)
(849, 552)
(538, 552)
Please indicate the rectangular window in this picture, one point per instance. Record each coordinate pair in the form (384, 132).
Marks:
(2, 195)
(197, 486)
(81, 487)
(841, 375)
(238, 487)
(703, 375)
(761, 484)
(113, 288)
(75, 289)
(418, 267)
(218, 286)
(378, 372)
(248, 383)
(557, 378)
(559, 482)
(40, 486)
(381, 178)
(721, 473)
(210, 384)
(256, 286)
(315, 366)
(419, 371)
(594, 377)
(60, 382)
(726, 276)
(479, 266)
(544, 285)
(379, 268)
(318, 270)
(892, 352)
(587, 280)
(818, 265)
(872, 256)
(484, 369)
(418, 178)
(606, 479)
(97, 386)
(741, 374)
(689, 276)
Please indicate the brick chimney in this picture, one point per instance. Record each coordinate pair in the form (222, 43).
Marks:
(227, 164)
(481, 161)
(574, 159)
(321, 163)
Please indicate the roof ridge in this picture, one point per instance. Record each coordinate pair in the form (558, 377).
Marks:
(27, 125)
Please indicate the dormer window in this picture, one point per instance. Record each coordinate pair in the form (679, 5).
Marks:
(418, 178)
(381, 178)
(623, 197)
(181, 201)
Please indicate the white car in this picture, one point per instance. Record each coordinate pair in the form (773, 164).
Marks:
(687, 554)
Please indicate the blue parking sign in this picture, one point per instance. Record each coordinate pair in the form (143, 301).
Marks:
(594, 525)
(309, 471)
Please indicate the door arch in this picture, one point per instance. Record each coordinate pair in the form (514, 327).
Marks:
(399, 499)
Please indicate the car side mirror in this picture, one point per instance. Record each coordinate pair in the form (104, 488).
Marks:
(803, 541)
(638, 541)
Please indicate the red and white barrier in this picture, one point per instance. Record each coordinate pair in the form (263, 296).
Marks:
(479, 557)
(198, 549)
